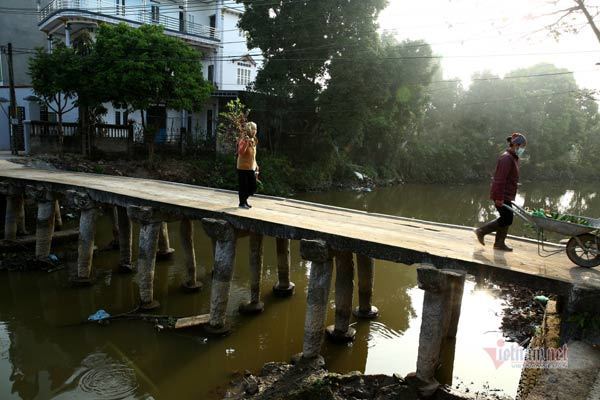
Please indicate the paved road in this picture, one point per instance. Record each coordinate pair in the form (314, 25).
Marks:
(381, 236)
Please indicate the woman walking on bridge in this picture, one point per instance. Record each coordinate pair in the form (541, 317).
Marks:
(246, 164)
(504, 191)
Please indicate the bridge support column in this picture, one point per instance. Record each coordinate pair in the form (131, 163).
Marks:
(113, 215)
(284, 287)
(441, 311)
(87, 230)
(225, 237)
(164, 246)
(255, 306)
(45, 220)
(21, 228)
(125, 239)
(58, 222)
(12, 211)
(365, 267)
(186, 232)
(318, 253)
(146, 263)
(344, 286)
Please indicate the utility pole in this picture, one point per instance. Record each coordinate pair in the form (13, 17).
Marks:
(13, 103)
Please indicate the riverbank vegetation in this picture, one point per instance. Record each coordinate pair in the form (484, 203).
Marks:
(335, 96)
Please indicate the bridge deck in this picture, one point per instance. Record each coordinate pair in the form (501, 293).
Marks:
(380, 236)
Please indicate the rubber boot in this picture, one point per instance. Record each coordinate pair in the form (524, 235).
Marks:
(499, 244)
(485, 229)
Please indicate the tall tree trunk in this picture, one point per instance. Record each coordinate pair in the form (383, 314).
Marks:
(84, 128)
(60, 134)
(149, 136)
(589, 18)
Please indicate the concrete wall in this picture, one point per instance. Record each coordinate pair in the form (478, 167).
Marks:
(21, 30)
(32, 111)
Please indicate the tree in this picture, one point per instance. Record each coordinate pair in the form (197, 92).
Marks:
(571, 14)
(142, 67)
(464, 131)
(55, 77)
(299, 41)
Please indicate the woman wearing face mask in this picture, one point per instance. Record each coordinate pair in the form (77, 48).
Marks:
(504, 191)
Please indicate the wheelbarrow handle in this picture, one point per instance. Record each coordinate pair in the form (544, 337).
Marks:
(520, 212)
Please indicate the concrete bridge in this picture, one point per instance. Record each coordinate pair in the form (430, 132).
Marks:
(326, 233)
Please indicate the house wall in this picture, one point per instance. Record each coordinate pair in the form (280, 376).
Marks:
(32, 111)
(21, 30)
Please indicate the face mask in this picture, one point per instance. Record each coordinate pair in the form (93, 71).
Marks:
(519, 152)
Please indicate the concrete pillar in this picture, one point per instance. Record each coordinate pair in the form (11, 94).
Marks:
(283, 287)
(186, 231)
(10, 217)
(320, 257)
(437, 317)
(457, 288)
(225, 237)
(148, 242)
(113, 216)
(21, 228)
(68, 35)
(45, 220)
(365, 288)
(58, 222)
(164, 246)
(125, 239)
(87, 231)
(255, 306)
(344, 287)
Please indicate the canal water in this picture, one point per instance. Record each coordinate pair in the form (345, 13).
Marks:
(46, 351)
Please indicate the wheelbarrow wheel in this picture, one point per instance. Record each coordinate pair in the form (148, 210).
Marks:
(587, 256)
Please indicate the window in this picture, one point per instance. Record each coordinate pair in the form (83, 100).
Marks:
(46, 115)
(211, 73)
(213, 25)
(117, 117)
(120, 7)
(243, 76)
(155, 11)
(181, 21)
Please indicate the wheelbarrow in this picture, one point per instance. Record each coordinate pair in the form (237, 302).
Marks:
(583, 247)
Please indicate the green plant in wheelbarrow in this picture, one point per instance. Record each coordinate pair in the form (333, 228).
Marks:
(583, 247)
(573, 219)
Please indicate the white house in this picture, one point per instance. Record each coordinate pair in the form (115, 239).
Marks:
(209, 26)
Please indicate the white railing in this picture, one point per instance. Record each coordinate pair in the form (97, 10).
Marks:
(135, 13)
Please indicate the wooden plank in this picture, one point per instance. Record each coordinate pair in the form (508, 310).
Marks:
(196, 320)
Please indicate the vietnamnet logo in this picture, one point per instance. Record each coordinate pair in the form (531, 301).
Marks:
(531, 357)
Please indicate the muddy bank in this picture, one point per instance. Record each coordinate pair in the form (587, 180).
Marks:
(277, 176)
(306, 382)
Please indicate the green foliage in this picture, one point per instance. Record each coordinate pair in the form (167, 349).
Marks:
(141, 67)
(299, 41)
(55, 77)
(231, 123)
(464, 131)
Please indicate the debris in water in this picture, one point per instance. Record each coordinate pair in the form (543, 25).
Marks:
(99, 316)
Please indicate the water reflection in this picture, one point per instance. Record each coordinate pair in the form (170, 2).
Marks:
(46, 352)
(467, 205)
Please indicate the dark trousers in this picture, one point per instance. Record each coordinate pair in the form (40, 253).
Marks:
(246, 184)
(506, 216)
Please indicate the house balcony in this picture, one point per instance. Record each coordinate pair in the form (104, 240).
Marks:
(83, 14)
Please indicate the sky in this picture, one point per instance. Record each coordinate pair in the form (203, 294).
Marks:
(494, 35)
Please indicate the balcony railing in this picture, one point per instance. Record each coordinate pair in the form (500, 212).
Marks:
(134, 13)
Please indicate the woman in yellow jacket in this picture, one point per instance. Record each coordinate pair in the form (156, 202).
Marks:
(246, 164)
